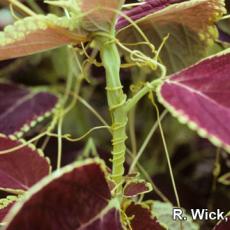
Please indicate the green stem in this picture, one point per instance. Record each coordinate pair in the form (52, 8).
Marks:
(151, 86)
(116, 101)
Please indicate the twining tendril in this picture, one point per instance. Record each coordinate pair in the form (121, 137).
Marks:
(12, 12)
(69, 138)
(151, 98)
(22, 7)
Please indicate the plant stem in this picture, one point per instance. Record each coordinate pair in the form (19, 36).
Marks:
(116, 101)
(22, 7)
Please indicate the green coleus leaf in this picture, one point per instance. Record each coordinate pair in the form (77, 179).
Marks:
(199, 97)
(38, 33)
(75, 197)
(189, 24)
(163, 212)
(22, 109)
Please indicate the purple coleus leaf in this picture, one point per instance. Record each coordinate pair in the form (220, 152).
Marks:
(20, 109)
(141, 217)
(110, 220)
(19, 170)
(22, 168)
(146, 8)
(199, 96)
(189, 24)
(5, 205)
(75, 197)
(36, 34)
(223, 224)
(136, 187)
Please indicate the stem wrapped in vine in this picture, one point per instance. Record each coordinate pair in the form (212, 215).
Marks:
(117, 102)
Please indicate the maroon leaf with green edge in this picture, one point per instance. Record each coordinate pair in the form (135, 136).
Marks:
(224, 179)
(100, 14)
(22, 109)
(136, 187)
(75, 197)
(110, 220)
(189, 24)
(199, 97)
(141, 217)
(223, 224)
(22, 168)
(5, 205)
(38, 33)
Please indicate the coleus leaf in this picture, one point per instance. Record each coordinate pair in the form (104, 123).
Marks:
(5, 205)
(109, 220)
(163, 212)
(38, 33)
(223, 224)
(199, 97)
(75, 197)
(100, 14)
(22, 108)
(189, 24)
(22, 168)
(136, 187)
(141, 217)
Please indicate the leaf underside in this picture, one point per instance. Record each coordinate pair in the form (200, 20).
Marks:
(75, 197)
(199, 96)
(22, 109)
(99, 14)
(21, 169)
(37, 34)
(190, 35)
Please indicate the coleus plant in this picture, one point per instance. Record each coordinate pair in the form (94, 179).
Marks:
(89, 196)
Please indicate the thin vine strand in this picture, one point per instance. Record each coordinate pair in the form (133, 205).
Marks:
(22, 7)
(166, 150)
(69, 138)
(59, 156)
(146, 141)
